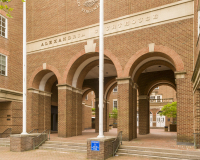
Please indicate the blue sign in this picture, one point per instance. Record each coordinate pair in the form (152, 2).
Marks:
(95, 145)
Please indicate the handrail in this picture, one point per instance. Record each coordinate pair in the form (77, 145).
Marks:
(117, 142)
(33, 130)
(8, 129)
(41, 138)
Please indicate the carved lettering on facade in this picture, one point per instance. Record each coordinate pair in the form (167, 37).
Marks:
(112, 28)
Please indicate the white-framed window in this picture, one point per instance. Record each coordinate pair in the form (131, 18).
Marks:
(86, 97)
(152, 98)
(156, 98)
(115, 104)
(115, 89)
(3, 27)
(3, 65)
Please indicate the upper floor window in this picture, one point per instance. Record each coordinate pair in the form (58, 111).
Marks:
(115, 103)
(3, 64)
(115, 89)
(156, 98)
(86, 97)
(3, 26)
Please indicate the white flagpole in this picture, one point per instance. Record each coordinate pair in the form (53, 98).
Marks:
(24, 68)
(101, 69)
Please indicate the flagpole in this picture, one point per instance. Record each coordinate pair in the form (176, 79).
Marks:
(24, 68)
(101, 69)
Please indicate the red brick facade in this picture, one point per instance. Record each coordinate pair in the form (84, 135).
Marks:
(63, 50)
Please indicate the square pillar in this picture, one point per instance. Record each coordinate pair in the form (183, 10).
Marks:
(125, 108)
(38, 110)
(65, 116)
(144, 112)
(96, 115)
(134, 95)
(47, 111)
(185, 116)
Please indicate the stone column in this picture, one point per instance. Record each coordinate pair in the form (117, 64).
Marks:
(125, 108)
(185, 117)
(144, 111)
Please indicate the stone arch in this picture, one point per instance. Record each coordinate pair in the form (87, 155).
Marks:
(71, 68)
(160, 51)
(41, 74)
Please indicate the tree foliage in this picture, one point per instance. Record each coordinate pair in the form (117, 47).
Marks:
(6, 8)
(114, 113)
(169, 110)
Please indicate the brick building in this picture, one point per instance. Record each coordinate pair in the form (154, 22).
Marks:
(11, 70)
(147, 44)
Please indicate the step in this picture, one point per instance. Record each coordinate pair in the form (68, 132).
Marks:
(64, 146)
(154, 157)
(159, 150)
(66, 143)
(159, 154)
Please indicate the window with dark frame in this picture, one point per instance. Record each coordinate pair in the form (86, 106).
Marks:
(2, 65)
(115, 104)
(115, 89)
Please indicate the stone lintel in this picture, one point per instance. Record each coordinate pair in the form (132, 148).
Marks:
(10, 95)
(37, 91)
(69, 87)
(179, 75)
(143, 97)
(124, 80)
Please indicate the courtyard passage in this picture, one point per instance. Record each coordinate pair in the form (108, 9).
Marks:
(156, 139)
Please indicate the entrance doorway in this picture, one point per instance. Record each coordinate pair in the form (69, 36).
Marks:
(54, 118)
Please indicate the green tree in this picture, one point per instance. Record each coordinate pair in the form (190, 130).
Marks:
(169, 110)
(114, 113)
(6, 8)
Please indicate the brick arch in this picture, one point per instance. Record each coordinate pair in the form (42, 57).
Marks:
(85, 71)
(86, 92)
(152, 63)
(40, 72)
(159, 83)
(68, 74)
(159, 50)
(108, 86)
(110, 90)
